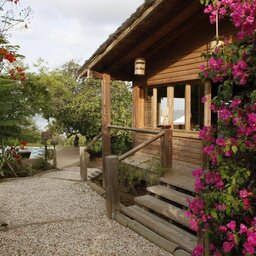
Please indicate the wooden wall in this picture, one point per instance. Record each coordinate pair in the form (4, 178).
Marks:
(183, 68)
(187, 151)
(152, 149)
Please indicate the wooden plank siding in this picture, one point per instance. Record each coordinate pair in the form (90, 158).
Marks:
(184, 69)
(186, 150)
(153, 149)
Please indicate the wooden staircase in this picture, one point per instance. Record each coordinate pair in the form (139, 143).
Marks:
(162, 211)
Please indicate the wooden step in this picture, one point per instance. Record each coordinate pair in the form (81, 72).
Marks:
(167, 230)
(170, 194)
(170, 211)
(181, 253)
(179, 181)
(95, 174)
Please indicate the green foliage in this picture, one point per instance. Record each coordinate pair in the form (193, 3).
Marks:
(132, 177)
(75, 106)
(14, 108)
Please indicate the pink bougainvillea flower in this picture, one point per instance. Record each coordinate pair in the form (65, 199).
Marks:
(252, 119)
(221, 142)
(193, 224)
(221, 207)
(206, 133)
(222, 228)
(228, 246)
(231, 225)
(224, 114)
(247, 205)
(198, 173)
(243, 193)
(198, 251)
(235, 103)
(243, 229)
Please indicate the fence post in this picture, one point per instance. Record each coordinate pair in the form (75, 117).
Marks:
(54, 158)
(84, 159)
(111, 184)
(166, 147)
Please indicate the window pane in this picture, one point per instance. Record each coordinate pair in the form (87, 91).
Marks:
(162, 109)
(179, 107)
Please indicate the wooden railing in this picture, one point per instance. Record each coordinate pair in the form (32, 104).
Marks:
(84, 157)
(111, 163)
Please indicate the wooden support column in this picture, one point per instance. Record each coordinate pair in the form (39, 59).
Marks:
(170, 103)
(207, 110)
(166, 148)
(138, 106)
(106, 120)
(188, 107)
(154, 108)
(112, 185)
(106, 115)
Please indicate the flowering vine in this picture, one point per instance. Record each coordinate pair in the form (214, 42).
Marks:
(225, 206)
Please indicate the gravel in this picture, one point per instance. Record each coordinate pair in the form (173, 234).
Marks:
(56, 214)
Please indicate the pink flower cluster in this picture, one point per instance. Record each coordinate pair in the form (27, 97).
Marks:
(232, 231)
(242, 14)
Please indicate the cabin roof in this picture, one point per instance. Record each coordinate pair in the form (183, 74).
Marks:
(153, 28)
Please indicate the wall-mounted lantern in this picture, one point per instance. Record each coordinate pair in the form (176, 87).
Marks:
(215, 44)
(139, 66)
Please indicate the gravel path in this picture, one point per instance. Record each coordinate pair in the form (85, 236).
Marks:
(56, 214)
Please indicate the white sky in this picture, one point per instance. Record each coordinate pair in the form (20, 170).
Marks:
(61, 30)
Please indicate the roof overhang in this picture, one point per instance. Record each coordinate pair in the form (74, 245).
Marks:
(147, 33)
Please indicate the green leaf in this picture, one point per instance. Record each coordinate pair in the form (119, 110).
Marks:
(234, 149)
(214, 213)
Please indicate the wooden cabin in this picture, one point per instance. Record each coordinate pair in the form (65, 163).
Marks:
(170, 37)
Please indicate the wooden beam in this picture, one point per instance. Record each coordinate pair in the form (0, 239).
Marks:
(207, 110)
(142, 145)
(188, 107)
(106, 116)
(154, 108)
(170, 103)
(138, 130)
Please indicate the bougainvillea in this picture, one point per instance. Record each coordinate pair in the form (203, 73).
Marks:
(225, 206)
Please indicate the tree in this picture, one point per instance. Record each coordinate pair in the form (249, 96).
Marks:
(14, 108)
(75, 106)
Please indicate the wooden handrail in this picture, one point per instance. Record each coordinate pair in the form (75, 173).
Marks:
(95, 139)
(134, 129)
(145, 143)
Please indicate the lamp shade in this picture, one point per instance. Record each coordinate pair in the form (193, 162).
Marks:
(139, 66)
(215, 43)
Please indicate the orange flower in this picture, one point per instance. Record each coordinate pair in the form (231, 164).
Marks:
(10, 57)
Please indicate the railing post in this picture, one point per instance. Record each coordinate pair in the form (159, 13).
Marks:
(84, 160)
(166, 147)
(111, 185)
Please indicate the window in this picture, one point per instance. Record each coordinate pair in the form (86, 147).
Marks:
(167, 105)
